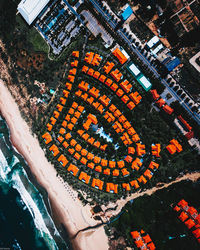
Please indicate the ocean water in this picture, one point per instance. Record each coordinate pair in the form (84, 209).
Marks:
(24, 219)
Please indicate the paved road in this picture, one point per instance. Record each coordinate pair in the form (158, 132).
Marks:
(195, 116)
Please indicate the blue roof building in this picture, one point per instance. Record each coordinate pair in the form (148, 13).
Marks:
(127, 13)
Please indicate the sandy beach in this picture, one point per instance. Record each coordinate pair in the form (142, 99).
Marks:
(69, 210)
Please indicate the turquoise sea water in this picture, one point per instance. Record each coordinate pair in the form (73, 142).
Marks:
(24, 220)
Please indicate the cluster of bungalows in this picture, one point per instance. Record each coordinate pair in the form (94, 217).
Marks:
(190, 216)
(160, 102)
(174, 147)
(142, 240)
(87, 160)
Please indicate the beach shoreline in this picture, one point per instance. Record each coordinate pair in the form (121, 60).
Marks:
(69, 210)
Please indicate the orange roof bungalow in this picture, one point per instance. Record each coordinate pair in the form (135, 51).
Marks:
(192, 211)
(73, 169)
(120, 164)
(126, 186)
(59, 107)
(84, 177)
(85, 69)
(72, 71)
(84, 152)
(122, 119)
(156, 150)
(88, 57)
(47, 138)
(112, 164)
(98, 169)
(114, 87)
(108, 82)
(98, 184)
(127, 125)
(183, 216)
(96, 60)
(126, 86)
(177, 209)
(77, 156)
(90, 165)
(135, 235)
(131, 150)
(140, 244)
(125, 99)
(63, 160)
(120, 56)
(68, 85)
(104, 100)
(148, 174)
(54, 150)
(135, 138)
(112, 188)
(90, 72)
(125, 172)
(83, 160)
(83, 86)
(131, 131)
(135, 184)
(183, 204)
(146, 239)
(177, 145)
(104, 162)
(56, 114)
(106, 171)
(65, 144)
(74, 63)
(117, 75)
(160, 102)
(96, 74)
(103, 147)
(102, 78)
(115, 172)
(128, 158)
(108, 67)
(49, 127)
(65, 93)
(131, 105)
(94, 92)
(60, 139)
(142, 179)
(53, 120)
(171, 149)
(140, 149)
(168, 109)
(75, 54)
(136, 164)
(196, 233)
(190, 223)
(153, 165)
(71, 78)
(155, 94)
(62, 100)
(119, 92)
(151, 246)
(135, 97)
(64, 124)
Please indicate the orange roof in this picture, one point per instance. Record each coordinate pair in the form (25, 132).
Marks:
(60, 139)
(64, 124)
(62, 131)
(83, 86)
(68, 86)
(80, 108)
(122, 119)
(148, 174)
(54, 150)
(160, 102)
(119, 92)
(125, 99)
(98, 169)
(84, 177)
(196, 233)
(47, 137)
(73, 120)
(177, 145)
(104, 162)
(120, 56)
(72, 71)
(153, 165)
(71, 111)
(91, 140)
(84, 152)
(78, 147)
(65, 144)
(135, 234)
(85, 136)
(74, 63)
(140, 244)
(116, 74)
(125, 172)
(131, 150)
(171, 149)
(83, 160)
(63, 160)
(97, 183)
(131, 105)
(59, 107)
(77, 114)
(71, 78)
(168, 109)
(192, 211)
(112, 108)
(154, 93)
(111, 188)
(78, 93)
(106, 171)
(127, 125)
(75, 54)
(147, 238)
(96, 60)
(102, 78)
(85, 69)
(96, 74)
(90, 72)
(65, 93)
(68, 136)
(104, 100)
(117, 113)
(114, 87)
(156, 150)
(126, 86)
(49, 127)
(183, 216)
(135, 138)
(71, 151)
(140, 149)
(134, 184)
(115, 172)
(103, 147)
(56, 114)
(190, 223)
(183, 204)
(120, 164)
(90, 156)
(70, 126)
(135, 97)
(73, 169)
(177, 209)
(136, 164)
(88, 57)
(77, 156)
(142, 179)
(90, 100)
(151, 246)
(128, 158)
(126, 186)
(97, 159)
(90, 165)
(108, 66)
(112, 164)
(108, 82)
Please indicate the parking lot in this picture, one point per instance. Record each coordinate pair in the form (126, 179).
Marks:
(58, 24)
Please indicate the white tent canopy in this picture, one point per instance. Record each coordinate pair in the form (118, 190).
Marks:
(30, 9)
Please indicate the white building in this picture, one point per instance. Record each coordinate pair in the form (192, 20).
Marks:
(30, 9)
